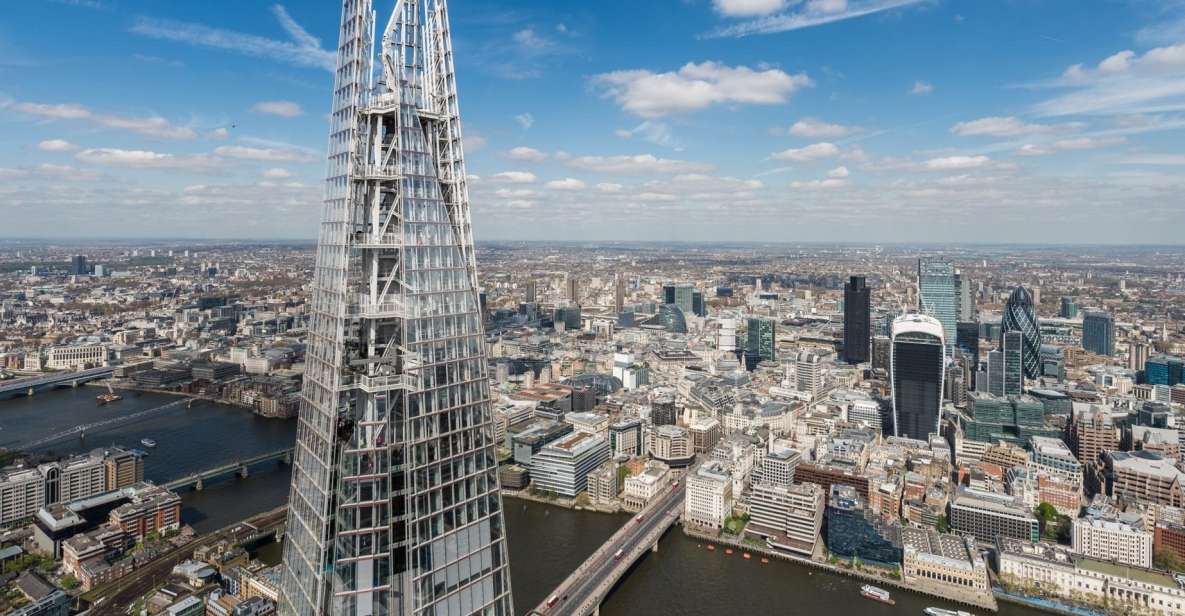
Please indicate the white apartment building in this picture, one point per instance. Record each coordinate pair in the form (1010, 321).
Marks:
(1112, 540)
(708, 501)
(22, 493)
(75, 357)
(563, 466)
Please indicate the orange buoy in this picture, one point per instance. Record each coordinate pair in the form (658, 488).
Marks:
(748, 556)
(728, 550)
(712, 548)
(765, 561)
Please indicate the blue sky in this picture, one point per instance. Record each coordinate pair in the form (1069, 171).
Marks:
(870, 120)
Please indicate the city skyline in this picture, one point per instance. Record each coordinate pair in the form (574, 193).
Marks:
(733, 125)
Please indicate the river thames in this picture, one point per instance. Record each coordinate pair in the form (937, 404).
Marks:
(546, 542)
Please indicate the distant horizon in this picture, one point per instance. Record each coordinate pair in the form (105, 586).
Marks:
(313, 242)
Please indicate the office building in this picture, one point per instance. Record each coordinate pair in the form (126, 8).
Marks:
(1093, 433)
(602, 483)
(530, 293)
(778, 466)
(573, 289)
(967, 341)
(670, 445)
(1012, 364)
(708, 501)
(1164, 370)
(857, 321)
(1144, 476)
(1068, 309)
(1020, 317)
(625, 438)
(1013, 419)
(937, 294)
(618, 294)
(381, 436)
(788, 517)
(1098, 333)
(854, 531)
(56, 603)
(761, 340)
(1112, 540)
(563, 466)
(966, 297)
(918, 371)
(809, 373)
(995, 372)
(641, 488)
(78, 266)
(941, 563)
(1052, 453)
(987, 516)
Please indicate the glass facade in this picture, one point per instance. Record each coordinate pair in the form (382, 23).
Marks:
(1012, 346)
(394, 506)
(761, 339)
(938, 294)
(1098, 333)
(1019, 316)
(918, 366)
(855, 532)
(1164, 370)
(857, 321)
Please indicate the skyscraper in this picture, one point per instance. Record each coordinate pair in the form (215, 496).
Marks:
(967, 340)
(1015, 352)
(1069, 309)
(918, 370)
(857, 321)
(78, 266)
(937, 294)
(966, 310)
(530, 295)
(573, 289)
(760, 339)
(394, 507)
(1098, 333)
(619, 294)
(1020, 317)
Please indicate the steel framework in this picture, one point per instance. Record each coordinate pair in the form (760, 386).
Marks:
(394, 506)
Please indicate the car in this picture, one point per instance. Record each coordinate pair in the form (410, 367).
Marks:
(553, 600)
(639, 518)
(617, 555)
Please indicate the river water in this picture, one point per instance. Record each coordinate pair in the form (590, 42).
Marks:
(546, 542)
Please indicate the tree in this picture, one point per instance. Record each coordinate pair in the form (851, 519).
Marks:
(1047, 518)
(1167, 559)
(942, 525)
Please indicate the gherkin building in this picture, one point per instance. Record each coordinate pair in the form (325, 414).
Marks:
(1020, 316)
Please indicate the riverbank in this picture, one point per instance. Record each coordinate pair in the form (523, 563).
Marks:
(560, 501)
(1047, 605)
(988, 603)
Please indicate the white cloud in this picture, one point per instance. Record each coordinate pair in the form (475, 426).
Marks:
(697, 86)
(957, 162)
(153, 126)
(514, 177)
(304, 49)
(143, 159)
(808, 15)
(609, 187)
(747, 8)
(921, 88)
(813, 128)
(1124, 83)
(525, 120)
(819, 184)
(276, 173)
(56, 145)
(218, 133)
(527, 154)
(566, 184)
(652, 131)
(811, 152)
(269, 154)
(636, 164)
(839, 172)
(997, 126)
(284, 109)
(474, 142)
(1154, 159)
(532, 41)
(65, 111)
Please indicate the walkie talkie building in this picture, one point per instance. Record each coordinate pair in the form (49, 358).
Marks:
(394, 507)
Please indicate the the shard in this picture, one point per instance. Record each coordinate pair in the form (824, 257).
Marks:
(394, 506)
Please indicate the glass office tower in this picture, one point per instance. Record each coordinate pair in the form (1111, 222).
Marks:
(938, 294)
(1019, 316)
(918, 371)
(857, 321)
(394, 507)
(1098, 333)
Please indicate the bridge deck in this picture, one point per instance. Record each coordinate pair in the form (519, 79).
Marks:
(584, 590)
(210, 473)
(7, 387)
